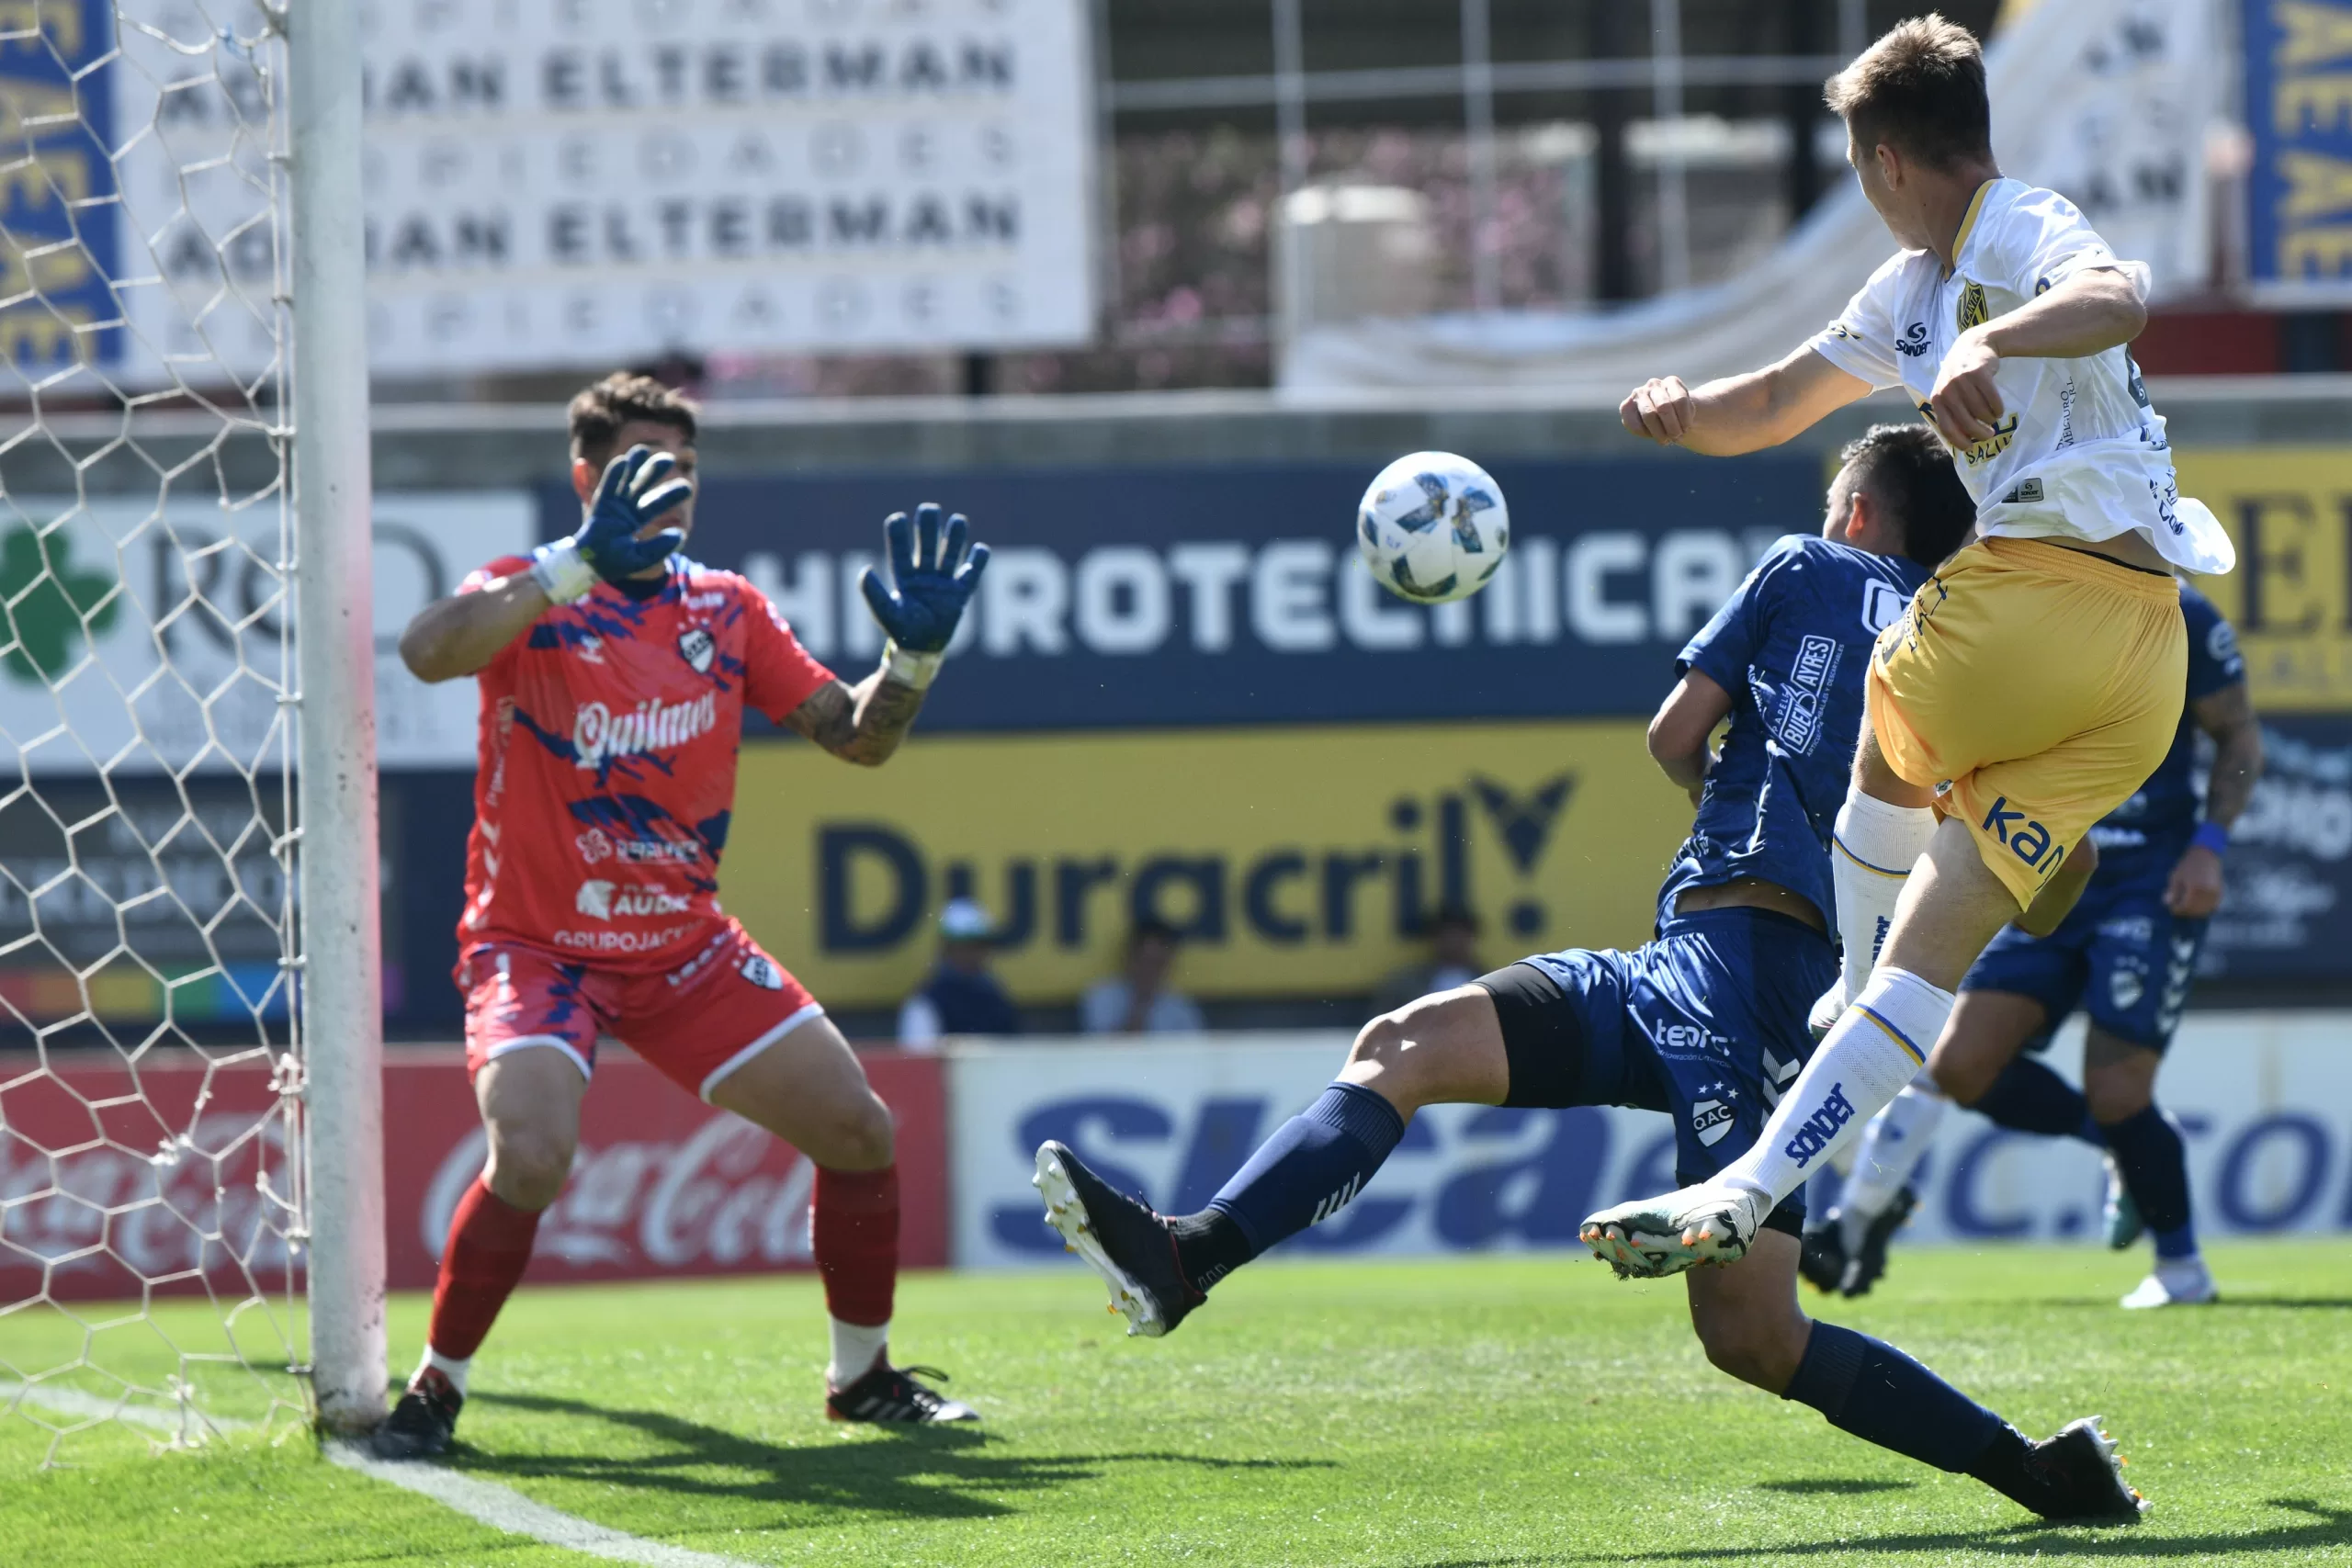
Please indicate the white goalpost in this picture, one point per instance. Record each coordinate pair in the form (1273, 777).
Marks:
(191, 1202)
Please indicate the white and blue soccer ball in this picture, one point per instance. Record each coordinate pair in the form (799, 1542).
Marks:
(1433, 527)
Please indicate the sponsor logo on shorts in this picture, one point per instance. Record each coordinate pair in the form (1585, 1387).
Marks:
(697, 648)
(1711, 1119)
(621, 941)
(603, 900)
(2024, 838)
(760, 970)
(1812, 1134)
(598, 734)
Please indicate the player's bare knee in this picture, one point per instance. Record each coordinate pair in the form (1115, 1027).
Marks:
(2116, 1097)
(1388, 1058)
(1739, 1344)
(859, 1136)
(527, 1165)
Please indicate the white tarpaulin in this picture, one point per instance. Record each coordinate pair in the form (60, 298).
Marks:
(2103, 100)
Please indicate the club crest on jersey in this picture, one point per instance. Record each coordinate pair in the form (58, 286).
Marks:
(761, 972)
(1974, 312)
(697, 648)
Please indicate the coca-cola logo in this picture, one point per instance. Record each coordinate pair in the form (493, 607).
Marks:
(728, 1195)
(211, 1201)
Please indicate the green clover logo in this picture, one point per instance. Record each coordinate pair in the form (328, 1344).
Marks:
(53, 619)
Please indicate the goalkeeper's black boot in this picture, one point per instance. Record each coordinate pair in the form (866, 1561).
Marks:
(1869, 1262)
(424, 1422)
(1122, 1239)
(2074, 1477)
(889, 1393)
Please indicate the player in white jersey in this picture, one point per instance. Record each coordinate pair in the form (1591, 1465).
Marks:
(2035, 681)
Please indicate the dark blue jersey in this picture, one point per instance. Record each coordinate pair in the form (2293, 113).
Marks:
(1791, 648)
(2165, 811)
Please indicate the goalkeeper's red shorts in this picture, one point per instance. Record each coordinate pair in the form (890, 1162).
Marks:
(697, 1022)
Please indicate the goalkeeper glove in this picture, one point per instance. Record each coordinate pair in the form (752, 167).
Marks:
(632, 495)
(931, 579)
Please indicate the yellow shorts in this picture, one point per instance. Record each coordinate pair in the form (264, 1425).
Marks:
(2034, 687)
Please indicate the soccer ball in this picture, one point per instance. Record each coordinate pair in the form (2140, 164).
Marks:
(1432, 528)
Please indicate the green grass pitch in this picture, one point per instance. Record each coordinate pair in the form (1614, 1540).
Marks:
(1437, 1414)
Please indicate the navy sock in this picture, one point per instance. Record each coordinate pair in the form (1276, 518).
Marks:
(2029, 1098)
(1304, 1174)
(1869, 1388)
(2154, 1164)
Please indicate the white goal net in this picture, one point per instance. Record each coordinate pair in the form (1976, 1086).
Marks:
(153, 1222)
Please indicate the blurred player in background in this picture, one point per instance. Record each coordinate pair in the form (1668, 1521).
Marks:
(1707, 1023)
(2126, 956)
(2034, 685)
(615, 673)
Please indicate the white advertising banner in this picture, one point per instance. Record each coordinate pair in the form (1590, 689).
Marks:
(147, 635)
(555, 182)
(2265, 1100)
(586, 182)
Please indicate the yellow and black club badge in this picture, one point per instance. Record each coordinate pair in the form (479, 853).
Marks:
(1972, 310)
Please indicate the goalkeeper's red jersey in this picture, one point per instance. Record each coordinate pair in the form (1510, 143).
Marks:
(609, 733)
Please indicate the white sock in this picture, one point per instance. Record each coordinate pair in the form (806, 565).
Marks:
(856, 1350)
(1891, 1148)
(1875, 847)
(1876, 1048)
(450, 1367)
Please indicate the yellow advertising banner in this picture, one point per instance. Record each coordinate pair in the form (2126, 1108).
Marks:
(1296, 861)
(2289, 511)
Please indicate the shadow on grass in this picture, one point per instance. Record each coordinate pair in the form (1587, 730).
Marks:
(2323, 1526)
(1833, 1486)
(919, 1472)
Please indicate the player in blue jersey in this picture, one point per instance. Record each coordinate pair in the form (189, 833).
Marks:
(1705, 1023)
(2125, 956)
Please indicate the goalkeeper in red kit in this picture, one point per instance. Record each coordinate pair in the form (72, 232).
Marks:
(615, 674)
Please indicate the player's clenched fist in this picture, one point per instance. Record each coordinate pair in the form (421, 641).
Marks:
(1967, 403)
(1659, 409)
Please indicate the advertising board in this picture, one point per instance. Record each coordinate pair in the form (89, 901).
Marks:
(1291, 862)
(112, 1181)
(2262, 1097)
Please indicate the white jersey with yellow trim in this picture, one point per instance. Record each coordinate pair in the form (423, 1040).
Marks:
(2080, 452)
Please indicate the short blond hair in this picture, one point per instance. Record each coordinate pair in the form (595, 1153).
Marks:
(1920, 89)
(601, 410)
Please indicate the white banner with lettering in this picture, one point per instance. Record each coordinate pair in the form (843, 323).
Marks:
(556, 183)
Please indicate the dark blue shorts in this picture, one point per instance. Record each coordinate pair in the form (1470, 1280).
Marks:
(2120, 955)
(1707, 1023)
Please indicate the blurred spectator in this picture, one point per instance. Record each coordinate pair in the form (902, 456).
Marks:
(1137, 1001)
(1452, 960)
(961, 997)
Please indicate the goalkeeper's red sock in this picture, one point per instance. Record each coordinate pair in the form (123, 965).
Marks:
(853, 1231)
(489, 1247)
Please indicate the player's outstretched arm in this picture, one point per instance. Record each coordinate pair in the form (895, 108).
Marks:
(1680, 732)
(934, 570)
(1741, 413)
